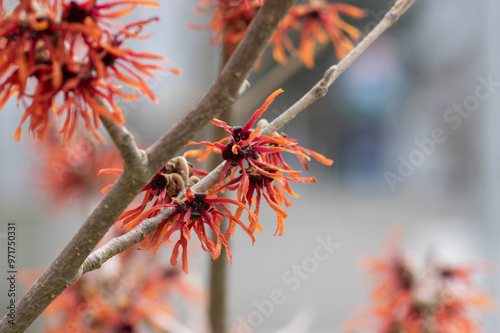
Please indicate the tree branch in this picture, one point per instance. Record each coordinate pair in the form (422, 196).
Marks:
(132, 156)
(149, 225)
(67, 267)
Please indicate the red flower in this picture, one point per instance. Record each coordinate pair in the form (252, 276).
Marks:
(69, 51)
(157, 188)
(196, 211)
(395, 281)
(322, 20)
(317, 21)
(230, 20)
(163, 189)
(266, 173)
(433, 303)
(245, 144)
(136, 292)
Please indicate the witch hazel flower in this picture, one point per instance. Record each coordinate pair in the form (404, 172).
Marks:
(322, 21)
(258, 159)
(230, 20)
(438, 299)
(198, 211)
(62, 58)
(163, 188)
(136, 290)
(317, 21)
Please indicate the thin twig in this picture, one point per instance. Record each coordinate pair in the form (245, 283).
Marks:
(331, 74)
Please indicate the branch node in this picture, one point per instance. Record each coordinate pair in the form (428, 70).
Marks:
(319, 91)
(328, 76)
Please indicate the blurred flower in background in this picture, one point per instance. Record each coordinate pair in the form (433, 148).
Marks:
(134, 292)
(438, 299)
(68, 174)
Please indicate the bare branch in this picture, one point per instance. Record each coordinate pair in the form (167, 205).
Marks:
(119, 244)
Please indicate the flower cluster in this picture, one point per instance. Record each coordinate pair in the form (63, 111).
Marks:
(262, 173)
(64, 56)
(317, 21)
(136, 291)
(195, 211)
(404, 301)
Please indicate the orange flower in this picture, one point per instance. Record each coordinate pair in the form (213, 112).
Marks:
(265, 167)
(196, 211)
(395, 280)
(162, 187)
(139, 291)
(52, 50)
(322, 21)
(317, 21)
(230, 21)
(431, 303)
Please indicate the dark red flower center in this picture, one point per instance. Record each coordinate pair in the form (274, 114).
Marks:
(158, 183)
(228, 155)
(108, 59)
(243, 152)
(124, 328)
(76, 13)
(238, 134)
(198, 204)
(314, 14)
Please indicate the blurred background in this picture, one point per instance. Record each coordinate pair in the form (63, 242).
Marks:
(412, 127)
